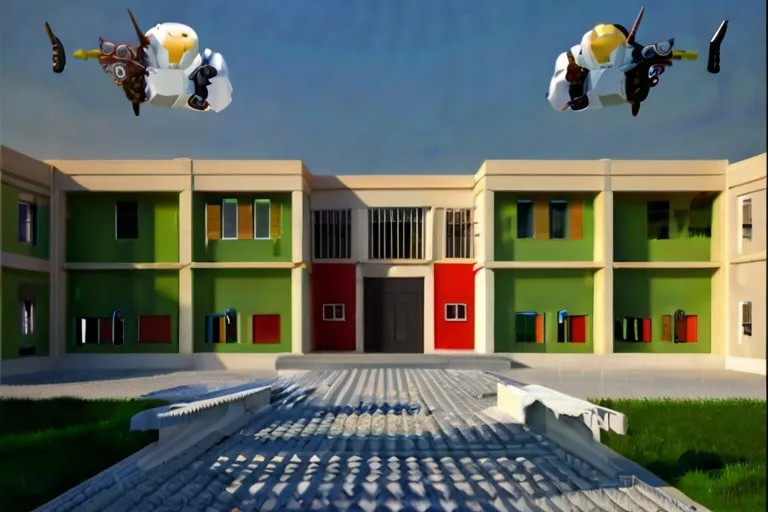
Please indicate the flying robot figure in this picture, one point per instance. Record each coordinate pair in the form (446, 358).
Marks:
(164, 69)
(609, 68)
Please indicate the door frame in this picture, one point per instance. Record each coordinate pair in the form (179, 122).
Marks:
(388, 270)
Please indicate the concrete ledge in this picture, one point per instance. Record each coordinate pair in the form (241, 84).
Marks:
(618, 362)
(516, 401)
(124, 362)
(340, 361)
(746, 364)
(167, 416)
(184, 426)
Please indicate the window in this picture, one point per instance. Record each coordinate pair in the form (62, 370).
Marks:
(27, 310)
(746, 318)
(529, 327)
(333, 312)
(525, 219)
(396, 233)
(27, 223)
(126, 220)
(558, 220)
(261, 222)
(229, 219)
(117, 327)
(266, 329)
(658, 220)
(746, 218)
(458, 233)
(332, 234)
(155, 329)
(87, 331)
(456, 312)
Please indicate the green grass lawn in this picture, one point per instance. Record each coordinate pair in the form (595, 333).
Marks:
(711, 450)
(50, 446)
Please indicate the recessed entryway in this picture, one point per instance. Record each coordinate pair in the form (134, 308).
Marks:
(394, 315)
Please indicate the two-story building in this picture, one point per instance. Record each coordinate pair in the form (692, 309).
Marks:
(25, 190)
(228, 264)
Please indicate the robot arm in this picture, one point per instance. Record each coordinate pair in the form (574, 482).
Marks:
(220, 90)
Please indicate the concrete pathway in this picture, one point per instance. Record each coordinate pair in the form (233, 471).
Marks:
(374, 439)
(653, 383)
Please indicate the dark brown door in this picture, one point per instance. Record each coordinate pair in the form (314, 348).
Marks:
(394, 315)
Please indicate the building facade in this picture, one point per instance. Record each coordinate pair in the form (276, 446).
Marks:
(225, 264)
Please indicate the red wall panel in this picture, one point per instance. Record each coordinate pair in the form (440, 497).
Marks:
(333, 283)
(454, 284)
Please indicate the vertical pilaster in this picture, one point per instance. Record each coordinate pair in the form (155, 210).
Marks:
(186, 306)
(297, 227)
(359, 309)
(57, 277)
(602, 329)
(485, 341)
(299, 310)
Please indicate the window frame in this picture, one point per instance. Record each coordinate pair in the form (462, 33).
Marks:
(566, 224)
(118, 216)
(334, 317)
(224, 202)
(463, 249)
(458, 306)
(268, 203)
(746, 327)
(746, 203)
(23, 317)
(648, 213)
(531, 224)
(30, 223)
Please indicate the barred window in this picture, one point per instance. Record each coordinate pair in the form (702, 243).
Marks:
(332, 234)
(396, 233)
(458, 233)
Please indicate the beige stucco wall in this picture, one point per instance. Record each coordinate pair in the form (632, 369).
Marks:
(746, 265)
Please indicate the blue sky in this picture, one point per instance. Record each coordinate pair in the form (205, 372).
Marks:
(384, 86)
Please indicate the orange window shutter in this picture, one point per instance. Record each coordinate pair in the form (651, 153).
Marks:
(576, 219)
(213, 221)
(539, 328)
(245, 221)
(541, 218)
(666, 328)
(222, 329)
(275, 220)
(691, 328)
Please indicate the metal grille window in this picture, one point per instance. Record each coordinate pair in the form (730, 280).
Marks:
(746, 318)
(332, 234)
(458, 233)
(396, 233)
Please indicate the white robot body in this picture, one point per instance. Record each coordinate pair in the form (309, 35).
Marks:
(603, 87)
(172, 58)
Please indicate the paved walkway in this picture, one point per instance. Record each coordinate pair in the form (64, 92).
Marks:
(583, 384)
(375, 439)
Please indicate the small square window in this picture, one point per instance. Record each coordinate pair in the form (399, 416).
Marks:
(229, 219)
(334, 312)
(456, 312)
(126, 220)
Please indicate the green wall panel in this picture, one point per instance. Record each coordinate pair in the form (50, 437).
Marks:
(96, 294)
(630, 230)
(10, 218)
(541, 291)
(241, 250)
(250, 292)
(507, 247)
(11, 331)
(655, 293)
(91, 228)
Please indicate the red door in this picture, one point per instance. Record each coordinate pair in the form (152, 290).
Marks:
(578, 328)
